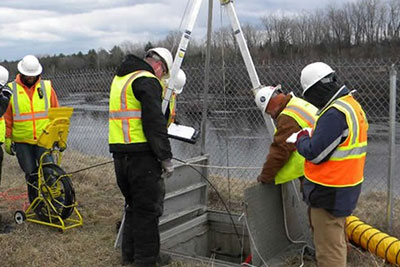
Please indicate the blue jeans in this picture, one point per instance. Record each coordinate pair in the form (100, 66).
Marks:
(28, 157)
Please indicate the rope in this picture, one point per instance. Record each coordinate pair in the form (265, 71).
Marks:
(222, 167)
(303, 249)
(222, 201)
(13, 198)
(251, 236)
(90, 167)
(8, 197)
(181, 161)
(180, 27)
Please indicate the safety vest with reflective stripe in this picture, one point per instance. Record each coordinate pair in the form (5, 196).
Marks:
(172, 104)
(30, 117)
(172, 107)
(304, 114)
(345, 167)
(2, 130)
(125, 111)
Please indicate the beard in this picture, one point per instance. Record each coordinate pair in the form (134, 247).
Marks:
(29, 82)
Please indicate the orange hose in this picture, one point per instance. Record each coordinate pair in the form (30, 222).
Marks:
(7, 197)
(373, 240)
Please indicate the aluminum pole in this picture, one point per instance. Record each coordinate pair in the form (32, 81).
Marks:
(248, 61)
(392, 146)
(180, 53)
(206, 79)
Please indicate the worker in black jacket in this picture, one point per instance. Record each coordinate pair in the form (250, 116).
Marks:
(142, 153)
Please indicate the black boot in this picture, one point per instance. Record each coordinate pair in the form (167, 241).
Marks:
(163, 259)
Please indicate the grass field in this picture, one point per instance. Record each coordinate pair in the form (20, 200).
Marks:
(100, 203)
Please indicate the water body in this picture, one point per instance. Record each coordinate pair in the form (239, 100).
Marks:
(231, 140)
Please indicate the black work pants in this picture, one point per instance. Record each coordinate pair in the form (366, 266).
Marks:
(139, 179)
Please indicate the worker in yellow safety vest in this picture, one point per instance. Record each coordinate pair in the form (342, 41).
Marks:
(27, 114)
(335, 154)
(141, 150)
(291, 114)
(5, 95)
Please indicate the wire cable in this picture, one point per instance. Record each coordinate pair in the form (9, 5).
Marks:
(223, 167)
(219, 196)
(244, 215)
(174, 45)
(287, 228)
(90, 167)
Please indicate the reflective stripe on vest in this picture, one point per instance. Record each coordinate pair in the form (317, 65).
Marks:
(172, 103)
(345, 167)
(2, 130)
(172, 107)
(30, 116)
(125, 111)
(304, 114)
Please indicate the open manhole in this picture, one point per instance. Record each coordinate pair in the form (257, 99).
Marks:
(194, 234)
(210, 239)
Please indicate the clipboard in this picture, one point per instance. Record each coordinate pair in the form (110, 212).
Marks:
(183, 133)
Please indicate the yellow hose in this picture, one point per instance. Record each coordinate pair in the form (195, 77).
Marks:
(373, 240)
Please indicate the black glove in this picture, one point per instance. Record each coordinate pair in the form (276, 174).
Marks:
(6, 91)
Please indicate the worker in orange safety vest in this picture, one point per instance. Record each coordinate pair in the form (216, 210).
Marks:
(27, 114)
(335, 153)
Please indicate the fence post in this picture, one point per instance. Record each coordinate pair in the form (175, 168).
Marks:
(206, 80)
(392, 146)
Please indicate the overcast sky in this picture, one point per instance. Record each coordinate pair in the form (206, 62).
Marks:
(48, 27)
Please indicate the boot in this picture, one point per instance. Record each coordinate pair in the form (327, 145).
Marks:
(163, 259)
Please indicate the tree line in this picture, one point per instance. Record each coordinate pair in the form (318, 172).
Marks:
(360, 29)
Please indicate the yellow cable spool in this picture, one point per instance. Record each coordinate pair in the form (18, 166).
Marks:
(373, 240)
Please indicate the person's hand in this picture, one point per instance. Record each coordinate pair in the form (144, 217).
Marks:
(9, 146)
(294, 138)
(260, 179)
(167, 168)
(6, 91)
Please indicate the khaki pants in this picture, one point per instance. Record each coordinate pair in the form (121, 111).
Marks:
(329, 238)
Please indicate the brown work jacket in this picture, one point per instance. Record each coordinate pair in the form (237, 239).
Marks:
(279, 151)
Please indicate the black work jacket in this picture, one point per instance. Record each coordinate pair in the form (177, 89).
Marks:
(149, 92)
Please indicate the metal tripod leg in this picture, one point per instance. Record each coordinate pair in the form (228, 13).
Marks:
(118, 241)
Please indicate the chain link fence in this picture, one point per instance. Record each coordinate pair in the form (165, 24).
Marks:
(235, 134)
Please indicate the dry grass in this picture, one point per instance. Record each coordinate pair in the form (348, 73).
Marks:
(100, 203)
(371, 209)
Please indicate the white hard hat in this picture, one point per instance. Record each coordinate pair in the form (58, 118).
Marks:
(263, 96)
(165, 55)
(180, 82)
(313, 73)
(3, 76)
(29, 66)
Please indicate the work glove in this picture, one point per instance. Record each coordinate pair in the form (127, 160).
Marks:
(167, 168)
(9, 146)
(260, 179)
(295, 137)
(6, 91)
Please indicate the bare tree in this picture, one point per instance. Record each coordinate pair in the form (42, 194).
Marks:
(278, 29)
(393, 26)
